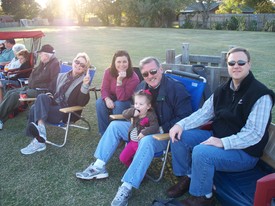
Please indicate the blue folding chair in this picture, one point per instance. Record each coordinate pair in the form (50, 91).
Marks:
(195, 85)
(68, 110)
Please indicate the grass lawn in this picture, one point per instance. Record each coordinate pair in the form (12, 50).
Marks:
(48, 177)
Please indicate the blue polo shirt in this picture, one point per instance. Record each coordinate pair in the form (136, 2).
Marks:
(6, 55)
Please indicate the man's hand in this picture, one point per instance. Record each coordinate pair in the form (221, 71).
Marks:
(214, 141)
(175, 133)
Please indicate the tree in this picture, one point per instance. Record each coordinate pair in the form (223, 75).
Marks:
(229, 7)
(264, 7)
(153, 13)
(205, 5)
(21, 9)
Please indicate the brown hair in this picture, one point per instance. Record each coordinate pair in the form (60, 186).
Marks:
(238, 49)
(120, 53)
(24, 53)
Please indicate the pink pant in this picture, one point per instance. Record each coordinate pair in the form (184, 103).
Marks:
(127, 154)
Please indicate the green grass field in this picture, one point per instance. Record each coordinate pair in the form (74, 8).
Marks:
(48, 177)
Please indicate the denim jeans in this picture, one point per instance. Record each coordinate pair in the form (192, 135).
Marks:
(147, 147)
(201, 161)
(103, 112)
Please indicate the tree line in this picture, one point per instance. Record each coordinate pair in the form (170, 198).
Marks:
(138, 13)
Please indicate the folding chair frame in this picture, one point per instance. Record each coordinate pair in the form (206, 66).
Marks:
(66, 126)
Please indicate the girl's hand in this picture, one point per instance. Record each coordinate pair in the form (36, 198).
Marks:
(140, 136)
(121, 76)
(109, 103)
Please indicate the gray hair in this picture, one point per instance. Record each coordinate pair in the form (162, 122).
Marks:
(148, 60)
(18, 47)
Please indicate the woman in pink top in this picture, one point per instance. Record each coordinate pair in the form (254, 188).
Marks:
(118, 85)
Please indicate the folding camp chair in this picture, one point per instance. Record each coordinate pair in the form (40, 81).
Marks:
(67, 110)
(195, 85)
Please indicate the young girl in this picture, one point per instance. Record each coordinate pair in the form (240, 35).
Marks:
(144, 122)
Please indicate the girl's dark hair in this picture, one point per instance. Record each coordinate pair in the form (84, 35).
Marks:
(144, 93)
(120, 53)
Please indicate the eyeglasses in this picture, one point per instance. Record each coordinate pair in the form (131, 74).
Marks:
(77, 62)
(152, 72)
(240, 63)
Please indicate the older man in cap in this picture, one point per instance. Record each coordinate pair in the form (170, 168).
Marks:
(41, 77)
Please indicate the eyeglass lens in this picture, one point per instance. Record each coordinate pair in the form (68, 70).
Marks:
(81, 64)
(152, 72)
(239, 62)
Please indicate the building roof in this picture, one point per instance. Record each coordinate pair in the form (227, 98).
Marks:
(196, 7)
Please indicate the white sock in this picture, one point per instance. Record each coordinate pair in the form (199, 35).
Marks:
(128, 185)
(99, 163)
(189, 176)
(209, 195)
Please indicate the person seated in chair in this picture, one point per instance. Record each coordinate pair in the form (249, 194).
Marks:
(171, 101)
(241, 112)
(14, 63)
(23, 57)
(70, 89)
(7, 54)
(41, 76)
(118, 85)
(2, 46)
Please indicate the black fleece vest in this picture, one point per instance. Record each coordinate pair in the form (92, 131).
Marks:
(232, 109)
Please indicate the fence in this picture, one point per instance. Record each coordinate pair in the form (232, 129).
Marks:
(215, 66)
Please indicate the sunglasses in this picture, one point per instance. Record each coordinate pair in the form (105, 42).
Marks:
(240, 63)
(77, 62)
(152, 72)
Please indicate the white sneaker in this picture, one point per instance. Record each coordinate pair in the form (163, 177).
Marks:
(122, 196)
(1, 125)
(33, 147)
(92, 172)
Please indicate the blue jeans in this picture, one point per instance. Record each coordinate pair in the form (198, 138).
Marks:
(147, 147)
(201, 161)
(103, 112)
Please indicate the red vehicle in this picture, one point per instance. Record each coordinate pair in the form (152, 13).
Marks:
(32, 41)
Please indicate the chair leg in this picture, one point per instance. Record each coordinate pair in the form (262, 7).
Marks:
(66, 133)
(164, 159)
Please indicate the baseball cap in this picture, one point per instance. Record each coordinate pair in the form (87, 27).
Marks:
(47, 48)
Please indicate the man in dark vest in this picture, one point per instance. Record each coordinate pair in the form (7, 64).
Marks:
(241, 112)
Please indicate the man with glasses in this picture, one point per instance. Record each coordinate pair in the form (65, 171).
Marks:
(171, 103)
(241, 112)
(41, 77)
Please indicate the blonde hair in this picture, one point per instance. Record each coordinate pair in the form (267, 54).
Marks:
(85, 56)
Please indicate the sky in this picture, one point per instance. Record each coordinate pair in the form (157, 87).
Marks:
(42, 3)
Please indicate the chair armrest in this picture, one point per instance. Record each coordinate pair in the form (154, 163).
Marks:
(116, 116)
(28, 99)
(71, 109)
(164, 136)
(19, 71)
